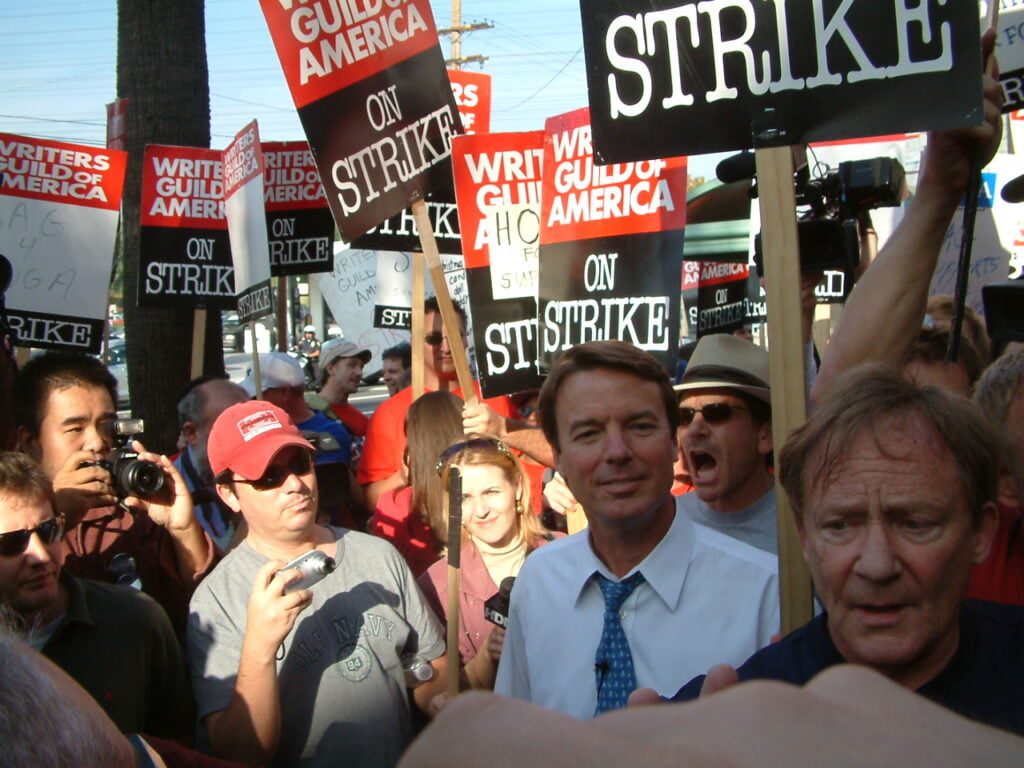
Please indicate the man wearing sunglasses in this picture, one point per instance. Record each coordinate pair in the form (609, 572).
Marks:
(65, 416)
(115, 642)
(380, 467)
(302, 676)
(725, 440)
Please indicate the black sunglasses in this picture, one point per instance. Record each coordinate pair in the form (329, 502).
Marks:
(434, 338)
(276, 474)
(15, 542)
(476, 442)
(713, 413)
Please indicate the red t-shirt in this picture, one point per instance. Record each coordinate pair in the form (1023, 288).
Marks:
(385, 437)
(410, 534)
(355, 421)
(1001, 577)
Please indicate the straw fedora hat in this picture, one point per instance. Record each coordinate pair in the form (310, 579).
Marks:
(721, 361)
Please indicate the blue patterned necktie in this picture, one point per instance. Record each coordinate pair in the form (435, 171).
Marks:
(613, 665)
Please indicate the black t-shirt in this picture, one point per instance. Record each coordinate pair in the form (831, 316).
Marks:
(984, 681)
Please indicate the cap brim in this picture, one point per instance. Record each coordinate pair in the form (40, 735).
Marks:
(251, 464)
(1013, 190)
(761, 393)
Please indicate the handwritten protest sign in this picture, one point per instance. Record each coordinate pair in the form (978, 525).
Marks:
(472, 91)
(299, 222)
(186, 252)
(242, 174)
(675, 77)
(350, 290)
(369, 84)
(611, 246)
(498, 188)
(59, 206)
(1010, 50)
(998, 235)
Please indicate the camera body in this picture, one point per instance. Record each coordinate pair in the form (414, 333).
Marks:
(130, 475)
(831, 206)
(314, 566)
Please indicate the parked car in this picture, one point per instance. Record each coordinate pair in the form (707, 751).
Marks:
(117, 364)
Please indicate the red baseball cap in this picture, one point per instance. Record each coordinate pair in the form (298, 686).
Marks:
(246, 436)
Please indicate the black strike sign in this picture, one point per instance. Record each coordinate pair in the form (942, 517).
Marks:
(686, 77)
(399, 233)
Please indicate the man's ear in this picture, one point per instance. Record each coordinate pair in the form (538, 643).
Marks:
(227, 495)
(765, 443)
(190, 432)
(984, 533)
(29, 443)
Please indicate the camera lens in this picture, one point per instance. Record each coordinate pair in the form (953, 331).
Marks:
(140, 478)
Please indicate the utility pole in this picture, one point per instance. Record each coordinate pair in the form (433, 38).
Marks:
(455, 33)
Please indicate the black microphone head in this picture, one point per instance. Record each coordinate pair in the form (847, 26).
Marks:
(506, 586)
(739, 167)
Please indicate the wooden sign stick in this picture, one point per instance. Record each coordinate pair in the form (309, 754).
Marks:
(444, 301)
(454, 499)
(785, 347)
(418, 331)
(198, 341)
(256, 377)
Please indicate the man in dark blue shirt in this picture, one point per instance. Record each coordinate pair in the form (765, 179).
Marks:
(893, 489)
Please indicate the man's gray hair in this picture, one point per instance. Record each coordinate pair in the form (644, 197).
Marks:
(40, 726)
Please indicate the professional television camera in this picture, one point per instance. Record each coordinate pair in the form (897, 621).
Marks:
(829, 206)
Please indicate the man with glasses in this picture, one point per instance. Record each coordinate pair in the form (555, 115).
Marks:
(114, 641)
(643, 596)
(308, 676)
(725, 440)
(380, 466)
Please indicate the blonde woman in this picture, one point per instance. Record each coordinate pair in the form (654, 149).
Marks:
(499, 531)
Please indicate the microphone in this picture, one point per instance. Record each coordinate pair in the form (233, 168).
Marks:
(738, 167)
(496, 608)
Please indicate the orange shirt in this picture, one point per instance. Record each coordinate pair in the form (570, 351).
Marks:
(385, 437)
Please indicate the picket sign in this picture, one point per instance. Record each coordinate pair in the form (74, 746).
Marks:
(418, 297)
(777, 201)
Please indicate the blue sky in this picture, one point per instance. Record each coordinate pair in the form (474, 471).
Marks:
(59, 63)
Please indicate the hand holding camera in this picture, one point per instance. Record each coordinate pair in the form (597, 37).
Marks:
(273, 608)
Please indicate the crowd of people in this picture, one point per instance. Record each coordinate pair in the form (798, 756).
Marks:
(277, 594)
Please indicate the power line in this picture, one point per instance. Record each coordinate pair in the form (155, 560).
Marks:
(549, 82)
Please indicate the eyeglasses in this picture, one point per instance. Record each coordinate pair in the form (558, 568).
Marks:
(16, 542)
(276, 474)
(477, 443)
(434, 338)
(713, 413)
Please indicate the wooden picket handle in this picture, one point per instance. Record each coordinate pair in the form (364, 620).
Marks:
(781, 249)
(256, 377)
(444, 301)
(198, 341)
(418, 294)
(453, 501)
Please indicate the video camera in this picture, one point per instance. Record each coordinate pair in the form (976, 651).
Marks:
(828, 206)
(130, 475)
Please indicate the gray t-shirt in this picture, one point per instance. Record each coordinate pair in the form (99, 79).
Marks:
(754, 525)
(341, 682)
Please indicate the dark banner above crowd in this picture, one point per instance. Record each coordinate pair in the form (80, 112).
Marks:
(59, 206)
(371, 91)
(185, 253)
(611, 246)
(242, 168)
(672, 77)
(498, 187)
(299, 223)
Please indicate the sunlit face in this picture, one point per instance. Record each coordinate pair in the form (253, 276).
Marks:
(282, 515)
(616, 448)
(76, 418)
(726, 459)
(890, 545)
(346, 373)
(391, 371)
(28, 581)
(437, 358)
(489, 504)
